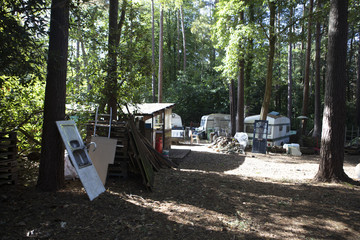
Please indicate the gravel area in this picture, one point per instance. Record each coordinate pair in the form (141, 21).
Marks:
(274, 166)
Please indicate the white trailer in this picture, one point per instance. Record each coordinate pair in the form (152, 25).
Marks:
(176, 121)
(278, 129)
(177, 129)
(216, 122)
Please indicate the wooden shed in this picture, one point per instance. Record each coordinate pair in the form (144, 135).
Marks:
(157, 119)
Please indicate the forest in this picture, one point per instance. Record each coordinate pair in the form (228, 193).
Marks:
(206, 48)
(62, 59)
(206, 56)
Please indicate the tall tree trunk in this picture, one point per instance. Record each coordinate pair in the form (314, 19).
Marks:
(290, 83)
(349, 76)
(270, 63)
(51, 170)
(305, 105)
(302, 36)
(113, 44)
(317, 117)
(240, 89)
(183, 34)
(85, 58)
(358, 88)
(111, 85)
(178, 40)
(161, 55)
(153, 82)
(232, 107)
(249, 56)
(212, 48)
(121, 22)
(240, 98)
(278, 67)
(169, 44)
(333, 127)
(78, 77)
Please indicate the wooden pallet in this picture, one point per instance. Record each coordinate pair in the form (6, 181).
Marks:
(119, 169)
(7, 182)
(8, 163)
(118, 131)
(8, 178)
(8, 158)
(8, 169)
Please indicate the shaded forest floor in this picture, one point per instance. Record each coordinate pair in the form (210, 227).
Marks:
(210, 196)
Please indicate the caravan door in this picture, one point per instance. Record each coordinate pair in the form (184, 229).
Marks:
(260, 136)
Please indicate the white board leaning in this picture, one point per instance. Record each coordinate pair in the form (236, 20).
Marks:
(80, 158)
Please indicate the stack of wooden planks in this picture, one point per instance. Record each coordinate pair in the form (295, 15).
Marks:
(134, 152)
(143, 157)
(120, 133)
(8, 158)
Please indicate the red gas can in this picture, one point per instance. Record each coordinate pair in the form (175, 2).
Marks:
(158, 143)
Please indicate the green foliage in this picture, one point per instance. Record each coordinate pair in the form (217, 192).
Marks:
(22, 69)
(22, 26)
(200, 90)
(21, 109)
(206, 97)
(215, 41)
(88, 52)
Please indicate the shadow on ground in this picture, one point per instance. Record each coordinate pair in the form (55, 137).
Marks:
(195, 201)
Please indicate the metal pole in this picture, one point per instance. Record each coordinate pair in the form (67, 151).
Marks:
(96, 116)
(110, 122)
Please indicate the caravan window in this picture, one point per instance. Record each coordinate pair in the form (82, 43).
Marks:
(249, 129)
(203, 121)
(280, 128)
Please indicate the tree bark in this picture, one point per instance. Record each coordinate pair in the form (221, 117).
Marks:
(178, 62)
(358, 88)
(183, 33)
(317, 117)
(85, 58)
(121, 22)
(153, 82)
(240, 99)
(51, 170)
(333, 126)
(240, 89)
(249, 56)
(290, 83)
(161, 55)
(305, 105)
(113, 44)
(270, 63)
(111, 85)
(349, 75)
(232, 107)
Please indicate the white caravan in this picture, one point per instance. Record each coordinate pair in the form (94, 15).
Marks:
(177, 129)
(216, 122)
(278, 128)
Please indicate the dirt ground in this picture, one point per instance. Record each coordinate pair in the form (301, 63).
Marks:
(210, 196)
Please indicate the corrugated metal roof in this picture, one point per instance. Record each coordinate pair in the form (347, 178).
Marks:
(148, 108)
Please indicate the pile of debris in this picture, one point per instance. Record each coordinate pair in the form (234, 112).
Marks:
(227, 145)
